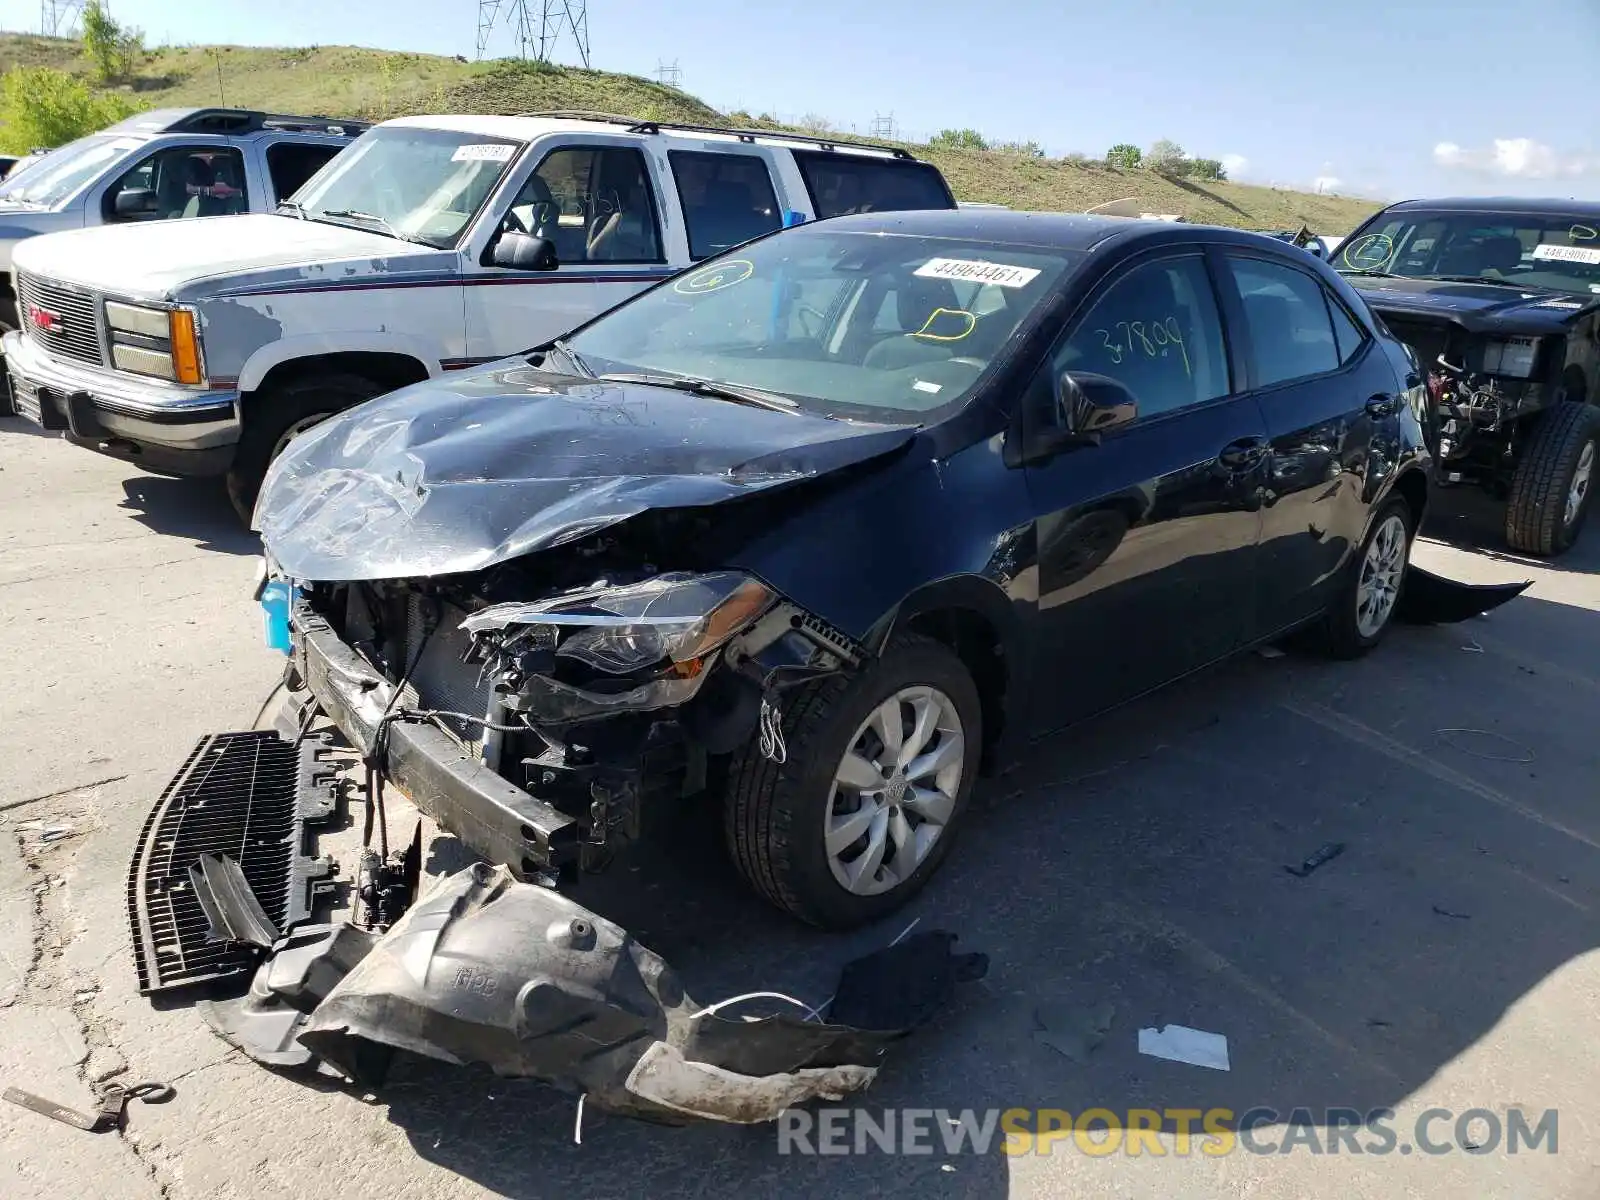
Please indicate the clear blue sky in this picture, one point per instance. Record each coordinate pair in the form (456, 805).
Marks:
(1383, 98)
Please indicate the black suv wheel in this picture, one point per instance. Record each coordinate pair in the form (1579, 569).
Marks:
(1550, 489)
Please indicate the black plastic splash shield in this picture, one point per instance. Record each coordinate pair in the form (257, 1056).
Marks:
(1429, 599)
(250, 796)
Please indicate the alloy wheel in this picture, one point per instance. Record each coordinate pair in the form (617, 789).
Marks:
(1579, 488)
(895, 790)
(1381, 572)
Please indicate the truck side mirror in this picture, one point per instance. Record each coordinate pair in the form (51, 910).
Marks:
(132, 203)
(524, 252)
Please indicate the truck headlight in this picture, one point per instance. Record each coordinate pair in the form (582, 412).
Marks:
(154, 341)
(1511, 357)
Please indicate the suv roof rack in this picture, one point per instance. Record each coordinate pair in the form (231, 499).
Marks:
(244, 120)
(634, 125)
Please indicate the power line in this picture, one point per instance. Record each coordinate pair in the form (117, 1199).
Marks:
(539, 27)
(59, 18)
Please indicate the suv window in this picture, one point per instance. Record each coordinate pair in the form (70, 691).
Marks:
(290, 164)
(1156, 331)
(1291, 333)
(181, 181)
(727, 199)
(594, 203)
(840, 183)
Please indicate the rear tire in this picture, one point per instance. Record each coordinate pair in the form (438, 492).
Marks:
(1550, 489)
(777, 816)
(1352, 627)
(273, 415)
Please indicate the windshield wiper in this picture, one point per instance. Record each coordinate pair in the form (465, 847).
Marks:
(571, 355)
(1369, 273)
(753, 397)
(374, 219)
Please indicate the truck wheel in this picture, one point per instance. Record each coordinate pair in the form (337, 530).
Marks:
(274, 418)
(1550, 488)
(1366, 602)
(875, 775)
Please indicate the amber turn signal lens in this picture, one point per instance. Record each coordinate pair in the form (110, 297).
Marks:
(185, 347)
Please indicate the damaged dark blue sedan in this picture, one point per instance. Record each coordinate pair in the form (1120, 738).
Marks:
(829, 524)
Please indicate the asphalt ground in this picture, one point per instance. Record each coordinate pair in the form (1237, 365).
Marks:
(1130, 875)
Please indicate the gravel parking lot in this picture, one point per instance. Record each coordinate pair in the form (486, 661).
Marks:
(1135, 867)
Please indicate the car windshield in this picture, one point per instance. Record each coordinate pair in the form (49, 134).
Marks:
(1555, 251)
(870, 326)
(424, 185)
(62, 173)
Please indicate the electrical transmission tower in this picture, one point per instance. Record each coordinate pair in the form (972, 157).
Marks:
(883, 127)
(538, 26)
(59, 18)
(668, 74)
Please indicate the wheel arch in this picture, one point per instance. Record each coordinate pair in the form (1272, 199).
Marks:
(973, 618)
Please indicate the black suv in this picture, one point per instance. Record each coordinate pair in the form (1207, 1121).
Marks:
(1500, 298)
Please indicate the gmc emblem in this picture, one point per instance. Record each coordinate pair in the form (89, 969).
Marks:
(42, 319)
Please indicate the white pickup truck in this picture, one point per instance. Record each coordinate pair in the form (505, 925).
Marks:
(431, 244)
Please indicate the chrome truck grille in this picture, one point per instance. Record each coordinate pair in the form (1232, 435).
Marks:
(441, 680)
(64, 320)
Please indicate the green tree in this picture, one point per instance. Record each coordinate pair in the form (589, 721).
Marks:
(1167, 158)
(1209, 169)
(1025, 149)
(959, 139)
(42, 107)
(113, 50)
(1124, 155)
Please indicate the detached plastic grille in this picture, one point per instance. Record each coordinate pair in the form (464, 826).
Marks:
(72, 319)
(249, 796)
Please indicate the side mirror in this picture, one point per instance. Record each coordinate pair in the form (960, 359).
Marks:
(524, 252)
(1089, 405)
(135, 202)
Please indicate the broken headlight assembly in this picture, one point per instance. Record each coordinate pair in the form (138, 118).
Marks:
(629, 647)
(159, 342)
(1511, 358)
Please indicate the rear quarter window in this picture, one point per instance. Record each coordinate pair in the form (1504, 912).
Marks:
(841, 183)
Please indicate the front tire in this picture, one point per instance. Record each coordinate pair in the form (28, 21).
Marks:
(1370, 595)
(276, 417)
(1550, 488)
(877, 773)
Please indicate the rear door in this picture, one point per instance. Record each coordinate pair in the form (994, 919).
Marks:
(288, 164)
(1146, 542)
(597, 200)
(1330, 400)
(726, 196)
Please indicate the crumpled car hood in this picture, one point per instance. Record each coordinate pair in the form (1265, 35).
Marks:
(457, 475)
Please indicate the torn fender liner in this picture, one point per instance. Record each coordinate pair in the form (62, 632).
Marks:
(457, 475)
(1429, 599)
(485, 969)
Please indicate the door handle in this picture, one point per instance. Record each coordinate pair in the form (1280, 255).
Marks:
(1382, 405)
(1243, 454)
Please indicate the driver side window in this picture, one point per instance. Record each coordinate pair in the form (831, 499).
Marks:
(593, 204)
(178, 182)
(1156, 331)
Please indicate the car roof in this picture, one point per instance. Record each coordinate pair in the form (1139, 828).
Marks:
(1504, 204)
(533, 125)
(1055, 230)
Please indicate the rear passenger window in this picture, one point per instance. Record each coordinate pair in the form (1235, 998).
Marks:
(593, 203)
(840, 183)
(1290, 330)
(1157, 332)
(1345, 331)
(290, 164)
(727, 199)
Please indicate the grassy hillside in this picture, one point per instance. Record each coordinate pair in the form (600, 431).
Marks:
(347, 81)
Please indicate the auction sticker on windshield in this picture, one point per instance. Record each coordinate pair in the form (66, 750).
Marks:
(483, 152)
(972, 270)
(1578, 254)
